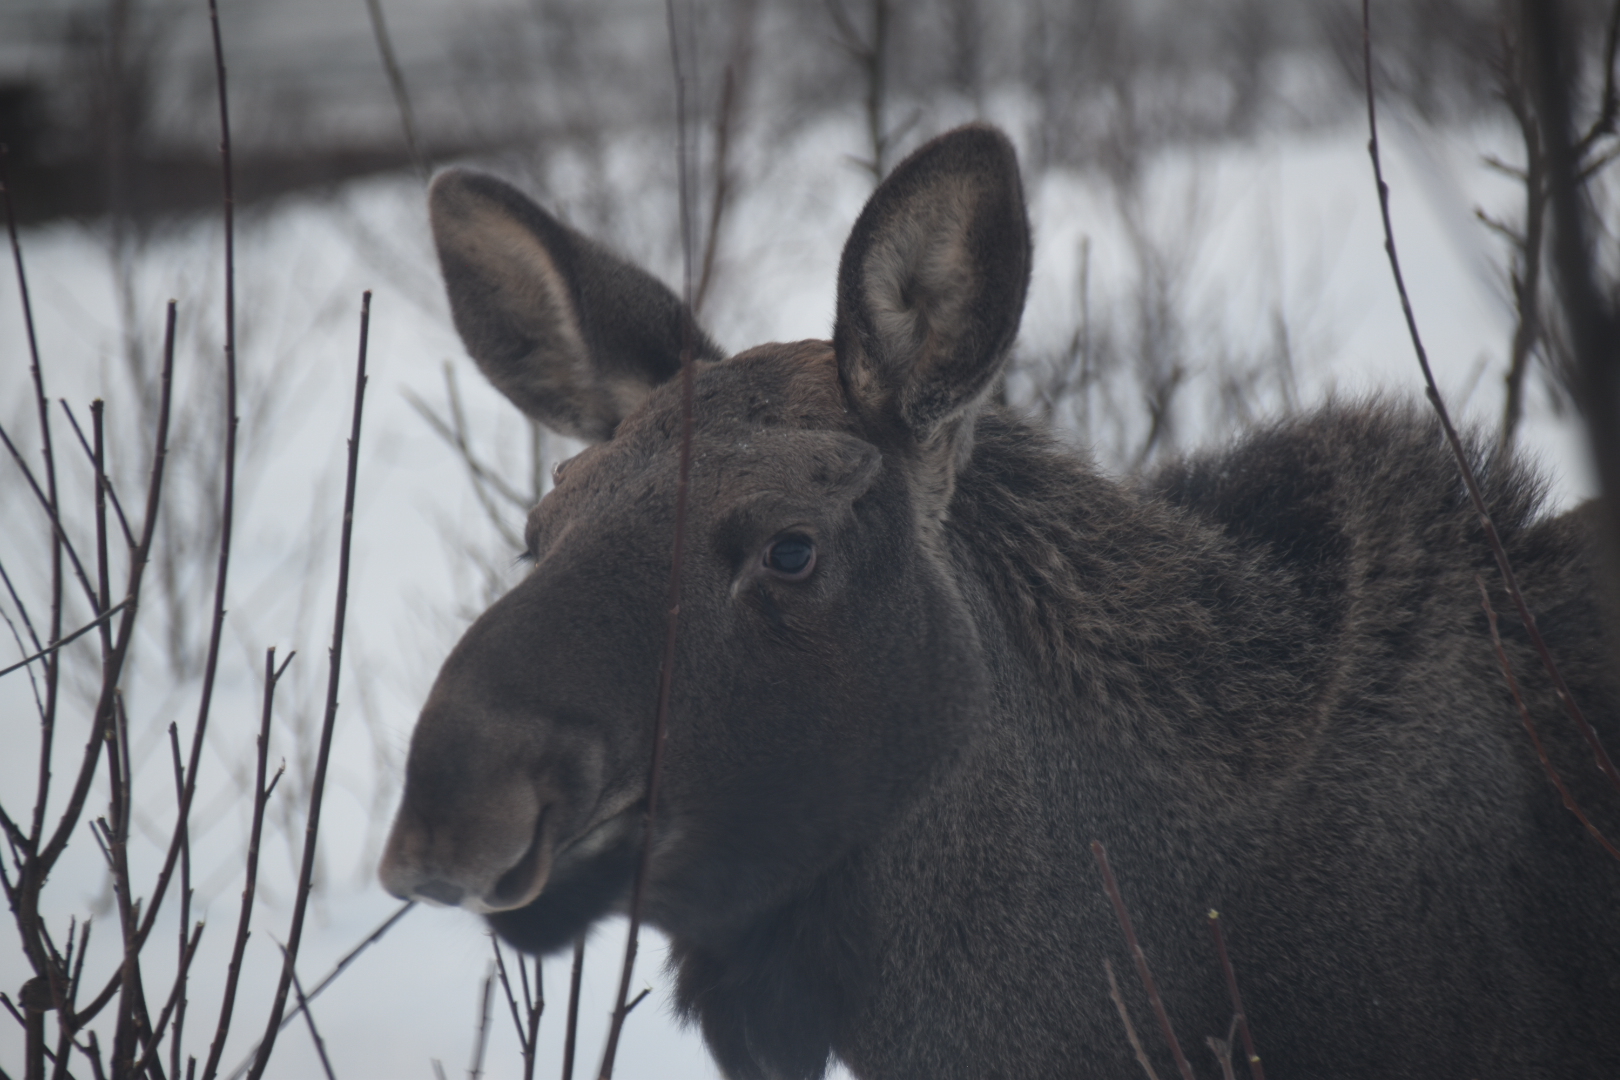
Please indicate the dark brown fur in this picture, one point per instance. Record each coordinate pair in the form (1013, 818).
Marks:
(1262, 678)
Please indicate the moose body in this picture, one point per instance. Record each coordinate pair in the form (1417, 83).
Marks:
(926, 654)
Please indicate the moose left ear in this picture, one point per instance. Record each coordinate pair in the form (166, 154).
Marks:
(932, 281)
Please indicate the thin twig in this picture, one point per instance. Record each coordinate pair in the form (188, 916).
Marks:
(506, 988)
(306, 873)
(185, 902)
(1125, 1018)
(1223, 1056)
(526, 1033)
(1239, 1018)
(1530, 725)
(476, 1069)
(309, 1018)
(39, 865)
(44, 497)
(80, 632)
(571, 1027)
(1137, 955)
(678, 546)
(261, 797)
(112, 493)
(175, 996)
(396, 84)
(1469, 480)
(227, 506)
(58, 537)
(330, 977)
(22, 609)
(535, 1003)
(732, 90)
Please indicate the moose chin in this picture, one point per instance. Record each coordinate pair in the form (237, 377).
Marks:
(927, 653)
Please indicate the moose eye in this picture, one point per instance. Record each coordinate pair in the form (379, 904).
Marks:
(792, 556)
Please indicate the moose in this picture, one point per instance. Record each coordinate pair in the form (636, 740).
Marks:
(927, 653)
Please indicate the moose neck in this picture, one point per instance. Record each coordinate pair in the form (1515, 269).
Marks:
(1130, 624)
(1120, 635)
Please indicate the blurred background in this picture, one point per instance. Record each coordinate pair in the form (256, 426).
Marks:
(1208, 257)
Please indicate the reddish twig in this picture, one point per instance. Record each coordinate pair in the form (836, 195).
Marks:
(261, 797)
(1140, 958)
(306, 873)
(678, 549)
(1222, 1049)
(1125, 1018)
(1240, 1019)
(1530, 726)
(1503, 564)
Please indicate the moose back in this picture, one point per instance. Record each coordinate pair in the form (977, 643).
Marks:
(926, 655)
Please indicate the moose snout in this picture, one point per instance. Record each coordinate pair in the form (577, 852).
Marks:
(494, 856)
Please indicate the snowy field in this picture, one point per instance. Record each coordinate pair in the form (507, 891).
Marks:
(1262, 229)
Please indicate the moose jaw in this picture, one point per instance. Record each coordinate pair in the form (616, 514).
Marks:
(926, 654)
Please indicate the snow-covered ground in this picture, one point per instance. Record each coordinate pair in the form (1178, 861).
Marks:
(1281, 226)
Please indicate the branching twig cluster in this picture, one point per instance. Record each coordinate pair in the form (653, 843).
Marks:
(1222, 1048)
(58, 989)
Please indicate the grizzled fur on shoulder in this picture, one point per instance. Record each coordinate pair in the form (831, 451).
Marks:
(926, 654)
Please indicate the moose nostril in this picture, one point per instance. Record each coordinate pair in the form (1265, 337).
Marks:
(441, 891)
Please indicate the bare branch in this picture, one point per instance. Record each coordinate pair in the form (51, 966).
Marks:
(175, 995)
(323, 755)
(261, 797)
(331, 976)
(1469, 480)
(666, 674)
(1101, 855)
(1125, 1018)
(80, 632)
(1240, 1019)
(476, 1069)
(309, 1018)
(571, 1029)
(396, 84)
(1530, 725)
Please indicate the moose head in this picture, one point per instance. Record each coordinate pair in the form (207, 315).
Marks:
(826, 665)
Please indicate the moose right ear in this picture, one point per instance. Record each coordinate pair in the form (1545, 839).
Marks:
(932, 281)
(573, 335)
